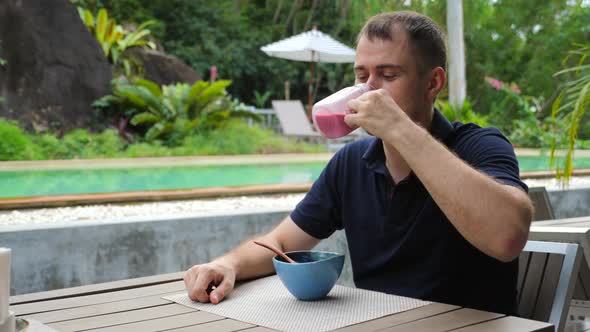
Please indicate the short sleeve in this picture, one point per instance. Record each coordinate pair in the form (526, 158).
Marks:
(318, 214)
(488, 151)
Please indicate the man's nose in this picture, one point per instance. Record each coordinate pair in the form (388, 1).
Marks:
(374, 82)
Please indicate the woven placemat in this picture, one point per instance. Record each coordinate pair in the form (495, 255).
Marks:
(266, 302)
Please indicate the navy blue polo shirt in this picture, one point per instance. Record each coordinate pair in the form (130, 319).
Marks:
(400, 241)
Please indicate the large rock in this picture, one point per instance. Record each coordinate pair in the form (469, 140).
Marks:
(163, 68)
(55, 68)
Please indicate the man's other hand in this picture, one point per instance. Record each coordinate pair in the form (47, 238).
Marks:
(209, 282)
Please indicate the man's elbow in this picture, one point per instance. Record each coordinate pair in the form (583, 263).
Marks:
(511, 247)
(511, 244)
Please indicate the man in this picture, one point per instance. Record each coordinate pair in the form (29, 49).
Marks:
(431, 210)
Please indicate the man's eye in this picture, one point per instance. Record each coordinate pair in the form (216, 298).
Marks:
(361, 78)
(390, 77)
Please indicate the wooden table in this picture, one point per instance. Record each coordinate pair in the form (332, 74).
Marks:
(136, 305)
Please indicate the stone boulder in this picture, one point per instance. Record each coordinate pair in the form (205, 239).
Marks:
(55, 68)
(163, 68)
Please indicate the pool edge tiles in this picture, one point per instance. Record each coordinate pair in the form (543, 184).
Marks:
(52, 201)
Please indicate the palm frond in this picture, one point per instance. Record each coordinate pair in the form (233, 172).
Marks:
(571, 104)
(151, 86)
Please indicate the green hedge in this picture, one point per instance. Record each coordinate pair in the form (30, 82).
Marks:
(15, 144)
(236, 137)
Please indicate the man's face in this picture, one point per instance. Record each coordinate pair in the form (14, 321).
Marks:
(391, 65)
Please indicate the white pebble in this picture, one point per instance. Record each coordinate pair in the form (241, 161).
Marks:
(110, 212)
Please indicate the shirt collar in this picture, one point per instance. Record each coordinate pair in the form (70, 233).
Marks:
(440, 128)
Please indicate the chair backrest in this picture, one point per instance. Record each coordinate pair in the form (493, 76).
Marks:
(292, 118)
(546, 280)
(540, 199)
(582, 289)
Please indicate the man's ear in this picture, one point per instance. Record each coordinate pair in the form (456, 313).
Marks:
(437, 81)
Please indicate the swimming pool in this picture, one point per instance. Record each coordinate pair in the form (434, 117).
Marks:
(58, 182)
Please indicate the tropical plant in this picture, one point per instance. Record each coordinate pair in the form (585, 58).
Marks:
(506, 104)
(114, 39)
(571, 104)
(172, 112)
(465, 114)
(260, 99)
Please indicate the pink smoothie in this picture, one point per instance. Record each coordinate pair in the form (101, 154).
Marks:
(332, 125)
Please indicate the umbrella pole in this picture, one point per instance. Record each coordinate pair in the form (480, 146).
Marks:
(310, 88)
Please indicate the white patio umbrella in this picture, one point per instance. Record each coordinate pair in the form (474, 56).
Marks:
(311, 46)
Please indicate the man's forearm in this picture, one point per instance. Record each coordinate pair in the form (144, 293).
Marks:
(492, 216)
(249, 260)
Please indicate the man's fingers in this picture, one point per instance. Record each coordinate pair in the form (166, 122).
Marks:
(221, 291)
(189, 276)
(352, 120)
(199, 289)
(354, 105)
(189, 279)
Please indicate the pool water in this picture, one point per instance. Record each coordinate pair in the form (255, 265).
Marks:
(56, 182)
(541, 163)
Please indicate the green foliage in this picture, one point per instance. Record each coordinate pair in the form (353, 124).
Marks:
(228, 34)
(14, 143)
(144, 149)
(233, 137)
(50, 147)
(76, 143)
(261, 100)
(505, 39)
(519, 41)
(114, 39)
(465, 115)
(507, 106)
(571, 104)
(173, 112)
(535, 133)
(79, 144)
(236, 137)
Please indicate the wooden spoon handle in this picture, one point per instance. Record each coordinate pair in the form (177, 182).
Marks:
(276, 251)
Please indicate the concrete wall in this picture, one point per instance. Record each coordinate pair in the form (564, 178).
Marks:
(46, 258)
(570, 203)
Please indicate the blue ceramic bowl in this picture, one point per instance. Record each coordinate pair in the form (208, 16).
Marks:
(313, 276)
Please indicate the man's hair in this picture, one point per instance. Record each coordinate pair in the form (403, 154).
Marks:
(425, 37)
